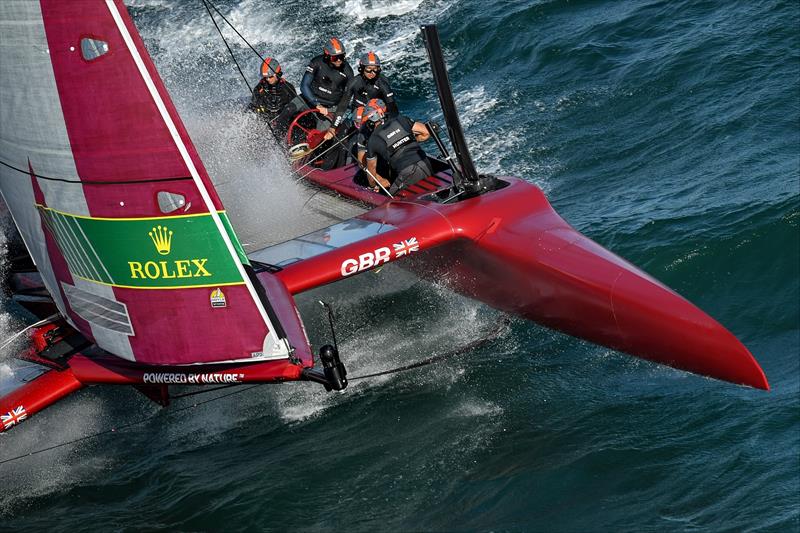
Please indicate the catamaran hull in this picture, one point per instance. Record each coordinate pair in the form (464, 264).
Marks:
(530, 262)
(507, 248)
(511, 250)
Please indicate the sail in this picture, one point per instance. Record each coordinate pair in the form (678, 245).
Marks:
(111, 197)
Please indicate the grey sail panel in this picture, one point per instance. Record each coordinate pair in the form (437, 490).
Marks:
(33, 137)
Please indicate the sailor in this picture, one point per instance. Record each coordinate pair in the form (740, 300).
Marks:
(367, 85)
(397, 141)
(361, 133)
(325, 80)
(272, 95)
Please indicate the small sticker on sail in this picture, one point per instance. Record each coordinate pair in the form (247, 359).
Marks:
(218, 298)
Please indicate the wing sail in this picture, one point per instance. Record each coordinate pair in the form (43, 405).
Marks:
(112, 199)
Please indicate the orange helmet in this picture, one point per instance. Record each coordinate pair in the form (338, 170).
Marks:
(333, 48)
(358, 117)
(377, 103)
(375, 111)
(370, 59)
(269, 67)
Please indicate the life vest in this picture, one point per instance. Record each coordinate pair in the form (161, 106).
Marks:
(329, 83)
(271, 100)
(364, 91)
(272, 96)
(401, 146)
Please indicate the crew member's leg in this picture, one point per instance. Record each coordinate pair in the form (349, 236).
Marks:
(410, 175)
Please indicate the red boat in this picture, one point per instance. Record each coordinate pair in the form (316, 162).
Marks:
(148, 283)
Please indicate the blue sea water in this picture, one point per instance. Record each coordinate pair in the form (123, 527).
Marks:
(669, 132)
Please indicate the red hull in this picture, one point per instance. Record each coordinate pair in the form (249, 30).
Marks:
(511, 250)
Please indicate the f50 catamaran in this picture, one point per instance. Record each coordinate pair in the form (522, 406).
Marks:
(149, 282)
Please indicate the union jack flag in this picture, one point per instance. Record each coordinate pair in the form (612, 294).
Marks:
(406, 247)
(15, 416)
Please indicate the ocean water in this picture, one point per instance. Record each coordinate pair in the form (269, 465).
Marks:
(669, 132)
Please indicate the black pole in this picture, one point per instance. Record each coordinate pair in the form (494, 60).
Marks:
(430, 35)
(433, 130)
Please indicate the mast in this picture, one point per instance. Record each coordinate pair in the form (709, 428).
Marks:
(465, 174)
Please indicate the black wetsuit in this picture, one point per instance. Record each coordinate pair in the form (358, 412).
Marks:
(271, 100)
(325, 85)
(360, 90)
(357, 141)
(361, 137)
(394, 141)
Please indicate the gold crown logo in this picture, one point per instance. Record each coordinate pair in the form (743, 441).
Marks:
(162, 238)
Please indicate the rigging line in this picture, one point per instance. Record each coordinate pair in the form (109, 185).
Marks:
(206, 3)
(334, 145)
(224, 40)
(94, 182)
(364, 168)
(209, 3)
(126, 426)
(504, 324)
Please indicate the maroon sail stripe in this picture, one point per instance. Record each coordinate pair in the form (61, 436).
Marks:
(132, 142)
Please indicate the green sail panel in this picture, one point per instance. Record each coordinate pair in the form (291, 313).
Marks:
(145, 253)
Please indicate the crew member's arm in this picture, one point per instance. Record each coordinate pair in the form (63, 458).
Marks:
(307, 91)
(421, 133)
(344, 101)
(341, 108)
(305, 84)
(255, 100)
(288, 109)
(373, 146)
(287, 94)
(372, 173)
(361, 148)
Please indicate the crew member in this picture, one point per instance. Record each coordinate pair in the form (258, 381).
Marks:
(363, 132)
(367, 85)
(397, 141)
(325, 80)
(272, 95)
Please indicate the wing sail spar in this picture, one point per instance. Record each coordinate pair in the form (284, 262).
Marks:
(112, 199)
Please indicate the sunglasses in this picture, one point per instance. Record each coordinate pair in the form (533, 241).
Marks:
(372, 70)
(337, 58)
